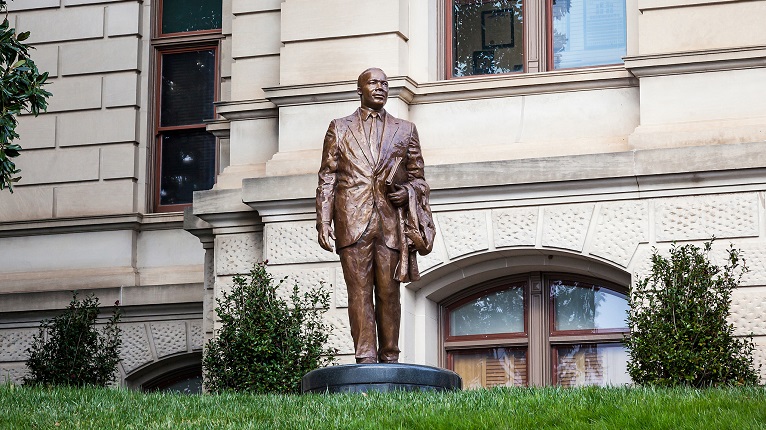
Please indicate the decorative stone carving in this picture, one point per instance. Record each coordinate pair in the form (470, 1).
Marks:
(621, 227)
(641, 264)
(433, 259)
(295, 242)
(169, 338)
(209, 269)
(236, 254)
(759, 357)
(13, 373)
(514, 226)
(755, 256)
(197, 335)
(702, 217)
(340, 336)
(566, 226)
(14, 344)
(463, 232)
(748, 312)
(135, 351)
(341, 289)
(208, 311)
(305, 278)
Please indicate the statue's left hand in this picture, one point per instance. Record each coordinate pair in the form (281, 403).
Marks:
(399, 196)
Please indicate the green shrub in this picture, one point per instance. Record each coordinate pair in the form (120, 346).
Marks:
(678, 318)
(69, 350)
(266, 344)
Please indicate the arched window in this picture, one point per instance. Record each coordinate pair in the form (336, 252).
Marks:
(538, 329)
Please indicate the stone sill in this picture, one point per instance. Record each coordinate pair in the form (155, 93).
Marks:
(697, 61)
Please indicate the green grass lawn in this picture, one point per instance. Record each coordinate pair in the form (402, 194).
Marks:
(517, 408)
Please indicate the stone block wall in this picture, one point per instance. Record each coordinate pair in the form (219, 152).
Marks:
(82, 157)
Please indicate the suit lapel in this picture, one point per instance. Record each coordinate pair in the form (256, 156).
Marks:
(391, 126)
(358, 132)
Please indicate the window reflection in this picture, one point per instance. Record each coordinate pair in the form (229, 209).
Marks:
(587, 33)
(495, 367)
(579, 365)
(579, 306)
(497, 312)
(487, 37)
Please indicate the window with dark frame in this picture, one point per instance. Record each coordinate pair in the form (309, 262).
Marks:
(486, 37)
(186, 43)
(487, 333)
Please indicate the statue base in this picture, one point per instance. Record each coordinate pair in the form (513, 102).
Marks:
(380, 377)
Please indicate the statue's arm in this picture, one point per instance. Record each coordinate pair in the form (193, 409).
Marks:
(325, 195)
(414, 165)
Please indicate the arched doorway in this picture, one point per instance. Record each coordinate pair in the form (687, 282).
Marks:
(180, 374)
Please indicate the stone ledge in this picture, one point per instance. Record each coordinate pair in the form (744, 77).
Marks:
(139, 222)
(631, 174)
(697, 61)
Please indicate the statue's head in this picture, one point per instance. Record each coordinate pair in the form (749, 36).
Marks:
(372, 87)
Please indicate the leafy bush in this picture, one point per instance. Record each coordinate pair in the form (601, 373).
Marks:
(22, 90)
(69, 350)
(678, 319)
(266, 344)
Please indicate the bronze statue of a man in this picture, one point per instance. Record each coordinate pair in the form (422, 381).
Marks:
(372, 200)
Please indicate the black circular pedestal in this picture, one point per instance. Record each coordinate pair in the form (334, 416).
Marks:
(363, 378)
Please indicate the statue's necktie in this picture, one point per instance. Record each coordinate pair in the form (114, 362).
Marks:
(374, 140)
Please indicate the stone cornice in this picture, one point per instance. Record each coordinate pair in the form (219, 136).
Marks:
(401, 87)
(413, 93)
(697, 61)
(246, 109)
(137, 222)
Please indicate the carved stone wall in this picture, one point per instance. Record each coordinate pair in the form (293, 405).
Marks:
(701, 217)
(143, 344)
(620, 233)
(235, 254)
(294, 242)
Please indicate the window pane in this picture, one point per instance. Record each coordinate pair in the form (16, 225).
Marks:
(487, 37)
(579, 306)
(188, 87)
(588, 33)
(605, 364)
(497, 312)
(496, 367)
(190, 15)
(188, 165)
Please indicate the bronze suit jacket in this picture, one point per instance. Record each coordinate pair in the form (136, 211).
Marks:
(352, 185)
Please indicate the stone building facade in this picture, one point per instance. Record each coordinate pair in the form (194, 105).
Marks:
(539, 173)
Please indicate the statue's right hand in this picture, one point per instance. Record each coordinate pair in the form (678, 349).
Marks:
(326, 236)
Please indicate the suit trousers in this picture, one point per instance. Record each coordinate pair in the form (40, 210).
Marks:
(368, 268)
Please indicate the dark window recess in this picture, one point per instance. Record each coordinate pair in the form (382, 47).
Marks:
(188, 165)
(190, 15)
(188, 89)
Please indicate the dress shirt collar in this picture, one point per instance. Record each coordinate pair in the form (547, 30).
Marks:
(365, 113)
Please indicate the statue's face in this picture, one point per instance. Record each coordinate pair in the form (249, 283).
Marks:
(373, 88)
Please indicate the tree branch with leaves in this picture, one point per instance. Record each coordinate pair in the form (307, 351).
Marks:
(21, 90)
